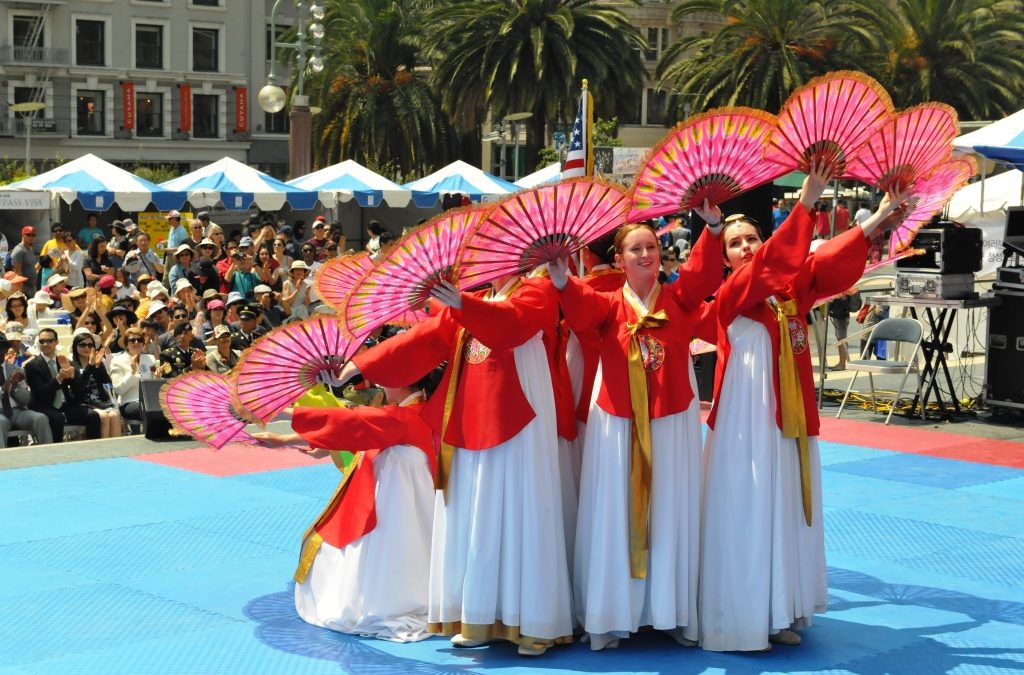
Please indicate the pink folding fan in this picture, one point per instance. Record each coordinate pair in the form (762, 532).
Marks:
(337, 278)
(198, 403)
(827, 119)
(906, 147)
(539, 226)
(928, 196)
(401, 281)
(714, 156)
(284, 364)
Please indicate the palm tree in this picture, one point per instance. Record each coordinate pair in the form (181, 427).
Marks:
(504, 56)
(376, 106)
(764, 49)
(967, 53)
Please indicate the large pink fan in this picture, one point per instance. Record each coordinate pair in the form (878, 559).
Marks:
(906, 147)
(928, 196)
(337, 278)
(539, 226)
(283, 365)
(199, 404)
(827, 119)
(715, 156)
(401, 281)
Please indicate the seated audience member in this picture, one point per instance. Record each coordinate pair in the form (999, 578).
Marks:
(296, 290)
(93, 392)
(222, 357)
(178, 314)
(16, 311)
(248, 329)
(121, 318)
(181, 356)
(128, 368)
(55, 387)
(98, 262)
(15, 397)
(182, 265)
(204, 276)
(240, 276)
(214, 316)
(151, 332)
(274, 312)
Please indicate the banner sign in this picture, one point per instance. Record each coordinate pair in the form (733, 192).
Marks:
(128, 99)
(10, 200)
(241, 110)
(185, 91)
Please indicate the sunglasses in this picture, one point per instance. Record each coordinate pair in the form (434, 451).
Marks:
(135, 341)
(278, 244)
(86, 345)
(181, 316)
(47, 341)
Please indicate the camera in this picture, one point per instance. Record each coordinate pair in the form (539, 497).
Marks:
(236, 256)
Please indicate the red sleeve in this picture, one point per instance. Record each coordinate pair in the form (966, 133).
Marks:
(405, 358)
(509, 323)
(706, 327)
(773, 267)
(362, 428)
(701, 275)
(838, 263)
(584, 308)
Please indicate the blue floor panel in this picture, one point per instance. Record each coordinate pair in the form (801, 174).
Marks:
(120, 566)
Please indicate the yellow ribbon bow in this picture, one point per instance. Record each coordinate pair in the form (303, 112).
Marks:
(794, 417)
(640, 457)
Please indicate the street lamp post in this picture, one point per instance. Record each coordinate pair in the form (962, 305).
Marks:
(29, 108)
(272, 98)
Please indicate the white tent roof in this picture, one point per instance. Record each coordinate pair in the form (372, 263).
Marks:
(349, 180)
(1000, 191)
(552, 173)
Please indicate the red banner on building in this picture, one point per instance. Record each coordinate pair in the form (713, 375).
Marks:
(185, 92)
(128, 99)
(241, 110)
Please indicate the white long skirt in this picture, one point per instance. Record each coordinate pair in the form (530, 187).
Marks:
(762, 567)
(498, 565)
(570, 453)
(608, 601)
(377, 585)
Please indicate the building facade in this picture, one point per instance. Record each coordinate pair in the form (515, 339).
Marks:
(139, 82)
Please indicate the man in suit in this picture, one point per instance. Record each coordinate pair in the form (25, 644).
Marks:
(15, 396)
(55, 387)
(247, 330)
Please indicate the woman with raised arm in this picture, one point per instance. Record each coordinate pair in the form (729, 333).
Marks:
(498, 563)
(762, 548)
(635, 562)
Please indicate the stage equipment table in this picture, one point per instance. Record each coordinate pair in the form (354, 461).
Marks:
(941, 315)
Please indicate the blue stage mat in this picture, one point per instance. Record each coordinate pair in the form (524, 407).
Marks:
(122, 566)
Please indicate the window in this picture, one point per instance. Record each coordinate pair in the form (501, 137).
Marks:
(204, 115)
(149, 46)
(91, 118)
(634, 115)
(282, 32)
(206, 3)
(28, 31)
(25, 95)
(651, 54)
(204, 50)
(149, 115)
(656, 105)
(89, 43)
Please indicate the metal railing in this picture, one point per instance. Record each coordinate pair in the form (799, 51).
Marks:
(56, 56)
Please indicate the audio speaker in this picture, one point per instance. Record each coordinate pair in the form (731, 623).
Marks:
(154, 425)
(1004, 366)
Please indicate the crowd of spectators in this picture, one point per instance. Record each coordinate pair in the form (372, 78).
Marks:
(86, 316)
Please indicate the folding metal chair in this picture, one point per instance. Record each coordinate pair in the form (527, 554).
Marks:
(909, 331)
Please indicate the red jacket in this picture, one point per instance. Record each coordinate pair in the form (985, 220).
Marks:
(668, 378)
(782, 268)
(489, 406)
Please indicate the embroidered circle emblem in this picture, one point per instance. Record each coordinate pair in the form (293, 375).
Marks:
(652, 352)
(475, 352)
(797, 335)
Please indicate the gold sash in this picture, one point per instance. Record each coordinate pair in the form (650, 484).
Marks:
(640, 436)
(794, 417)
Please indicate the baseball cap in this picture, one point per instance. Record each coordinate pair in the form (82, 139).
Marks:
(263, 288)
(173, 214)
(245, 242)
(203, 215)
(28, 229)
(221, 331)
(107, 281)
(216, 303)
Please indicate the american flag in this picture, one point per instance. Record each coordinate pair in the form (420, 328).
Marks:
(579, 161)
